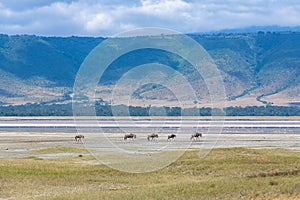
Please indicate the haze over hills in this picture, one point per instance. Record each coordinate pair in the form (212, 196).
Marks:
(257, 69)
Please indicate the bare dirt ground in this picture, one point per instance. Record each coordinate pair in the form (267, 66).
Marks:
(24, 144)
(24, 141)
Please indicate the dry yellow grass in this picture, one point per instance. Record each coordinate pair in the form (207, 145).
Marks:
(235, 173)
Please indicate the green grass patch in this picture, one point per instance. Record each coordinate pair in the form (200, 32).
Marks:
(235, 173)
(60, 150)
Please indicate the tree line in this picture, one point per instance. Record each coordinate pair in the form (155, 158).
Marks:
(123, 110)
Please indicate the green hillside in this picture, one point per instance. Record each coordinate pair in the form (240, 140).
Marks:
(257, 68)
(53, 58)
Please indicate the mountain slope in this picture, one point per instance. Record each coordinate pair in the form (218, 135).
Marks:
(257, 68)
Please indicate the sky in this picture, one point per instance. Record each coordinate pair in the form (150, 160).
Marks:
(110, 17)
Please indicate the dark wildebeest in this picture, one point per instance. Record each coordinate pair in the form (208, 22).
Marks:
(152, 136)
(130, 135)
(79, 138)
(196, 135)
(172, 136)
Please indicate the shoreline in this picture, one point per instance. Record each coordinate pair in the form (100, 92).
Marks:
(279, 118)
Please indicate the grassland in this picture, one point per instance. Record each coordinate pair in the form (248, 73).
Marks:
(234, 173)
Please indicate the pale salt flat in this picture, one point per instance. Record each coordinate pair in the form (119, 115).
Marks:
(18, 137)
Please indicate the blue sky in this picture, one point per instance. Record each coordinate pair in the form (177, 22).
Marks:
(109, 17)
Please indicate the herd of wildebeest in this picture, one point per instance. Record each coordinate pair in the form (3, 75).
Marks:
(79, 138)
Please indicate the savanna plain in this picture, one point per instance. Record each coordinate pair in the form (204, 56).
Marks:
(225, 173)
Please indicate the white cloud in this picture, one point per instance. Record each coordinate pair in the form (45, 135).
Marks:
(106, 17)
(99, 22)
(164, 7)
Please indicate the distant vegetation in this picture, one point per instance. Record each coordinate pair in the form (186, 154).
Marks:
(105, 110)
(43, 69)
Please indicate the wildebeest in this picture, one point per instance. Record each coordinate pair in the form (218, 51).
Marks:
(172, 136)
(79, 138)
(130, 135)
(152, 136)
(196, 135)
